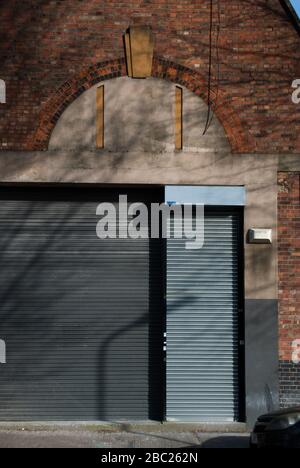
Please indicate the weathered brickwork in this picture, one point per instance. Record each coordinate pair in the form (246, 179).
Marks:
(289, 284)
(47, 46)
(289, 384)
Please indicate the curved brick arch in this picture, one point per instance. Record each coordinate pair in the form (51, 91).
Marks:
(69, 91)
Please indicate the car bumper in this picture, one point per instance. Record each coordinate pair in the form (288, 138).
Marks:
(272, 439)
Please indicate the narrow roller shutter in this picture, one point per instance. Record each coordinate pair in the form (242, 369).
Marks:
(81, 317)
(202, 323)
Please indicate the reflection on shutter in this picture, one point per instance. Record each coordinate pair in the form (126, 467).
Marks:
(81, 317)
(202, 323)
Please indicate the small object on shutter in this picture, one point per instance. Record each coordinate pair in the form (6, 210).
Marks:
(2, 352)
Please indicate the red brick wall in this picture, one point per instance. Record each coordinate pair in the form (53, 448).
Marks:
(44, 44)
(289, 284)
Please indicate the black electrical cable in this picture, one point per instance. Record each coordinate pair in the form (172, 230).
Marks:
(210, 104)
(215, 104)
(209, 68)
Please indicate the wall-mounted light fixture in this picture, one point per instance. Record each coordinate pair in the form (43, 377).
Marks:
(259, 236)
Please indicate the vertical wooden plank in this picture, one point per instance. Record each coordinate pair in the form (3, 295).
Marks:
(100, 117)
(128, 53)
(178, 118)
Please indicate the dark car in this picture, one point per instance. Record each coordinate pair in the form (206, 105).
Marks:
(279, 429)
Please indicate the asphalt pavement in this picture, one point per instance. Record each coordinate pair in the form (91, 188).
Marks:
(127, 438)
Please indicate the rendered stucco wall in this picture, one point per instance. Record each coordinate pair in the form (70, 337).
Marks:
(139, 116)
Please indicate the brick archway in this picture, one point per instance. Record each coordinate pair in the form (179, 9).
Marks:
(69, 91)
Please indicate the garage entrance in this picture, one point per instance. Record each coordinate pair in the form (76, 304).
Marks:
(205, 312)
(82, 318)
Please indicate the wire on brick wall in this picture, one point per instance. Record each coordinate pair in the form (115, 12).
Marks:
(212, 105)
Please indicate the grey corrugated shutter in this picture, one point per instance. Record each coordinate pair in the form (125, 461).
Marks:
(81, 317)
(202, 323)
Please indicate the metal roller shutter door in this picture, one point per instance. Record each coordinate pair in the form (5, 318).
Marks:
(202, 323)
(81, 317)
